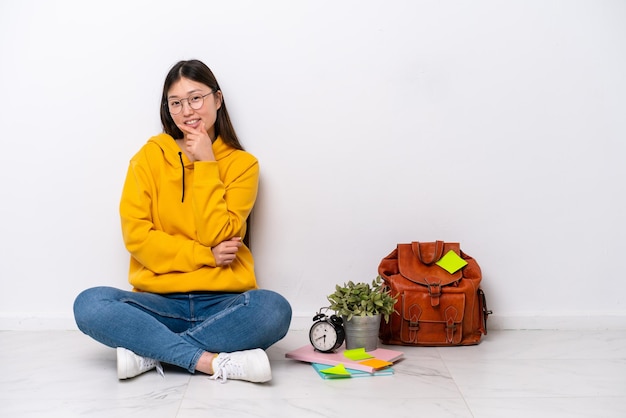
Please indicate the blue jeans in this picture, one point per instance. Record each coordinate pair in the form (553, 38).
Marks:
(177, 328)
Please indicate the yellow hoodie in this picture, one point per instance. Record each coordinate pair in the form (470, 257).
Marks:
(170, 230)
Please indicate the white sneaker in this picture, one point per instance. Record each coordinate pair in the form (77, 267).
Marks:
(250, 365)
(130, 364)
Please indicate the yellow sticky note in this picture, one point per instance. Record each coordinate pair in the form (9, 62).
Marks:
(339, 370)
(451, 262)
(376, 363)
(356, 354)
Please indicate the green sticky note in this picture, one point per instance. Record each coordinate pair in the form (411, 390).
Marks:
(356, 354)
(451, 262)
(338, 370)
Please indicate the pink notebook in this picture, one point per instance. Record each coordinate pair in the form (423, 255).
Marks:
(309, 354)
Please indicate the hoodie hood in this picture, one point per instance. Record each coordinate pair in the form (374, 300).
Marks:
(173, 154)
(176, 158)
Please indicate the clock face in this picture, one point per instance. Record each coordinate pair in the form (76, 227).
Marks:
(323, 336)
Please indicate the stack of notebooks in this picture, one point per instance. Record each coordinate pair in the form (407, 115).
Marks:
(348, 363)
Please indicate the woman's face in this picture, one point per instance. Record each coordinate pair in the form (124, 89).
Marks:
(185, 92)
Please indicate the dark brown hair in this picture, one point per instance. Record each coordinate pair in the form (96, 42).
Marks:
(197, 71)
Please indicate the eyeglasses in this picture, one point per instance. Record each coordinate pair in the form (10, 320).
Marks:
(175, 106)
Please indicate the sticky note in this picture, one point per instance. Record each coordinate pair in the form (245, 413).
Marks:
(451, 262)
(376, 363)
(338, 370)
(357, 354)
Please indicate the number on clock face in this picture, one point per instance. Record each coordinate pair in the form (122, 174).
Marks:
(323, 336)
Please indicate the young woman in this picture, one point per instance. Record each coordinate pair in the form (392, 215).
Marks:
(187, 195)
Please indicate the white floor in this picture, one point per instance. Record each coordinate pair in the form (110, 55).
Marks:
(510, 374)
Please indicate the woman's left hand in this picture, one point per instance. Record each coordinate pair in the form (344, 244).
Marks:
(226, 251)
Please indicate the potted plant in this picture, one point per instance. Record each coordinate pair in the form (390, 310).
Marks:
(361, 306)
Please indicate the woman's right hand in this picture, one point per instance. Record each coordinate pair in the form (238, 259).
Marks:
(197, 143)
(226, 251)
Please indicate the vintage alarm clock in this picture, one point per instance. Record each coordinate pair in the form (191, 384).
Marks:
(327, 333)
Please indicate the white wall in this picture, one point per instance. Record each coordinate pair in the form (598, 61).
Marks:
(497, 124)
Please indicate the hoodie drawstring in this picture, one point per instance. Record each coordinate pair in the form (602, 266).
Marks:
(182, 164)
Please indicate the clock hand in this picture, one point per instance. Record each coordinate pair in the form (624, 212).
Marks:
(319, 338)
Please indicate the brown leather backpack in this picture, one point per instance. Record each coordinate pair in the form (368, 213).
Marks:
(435, 307)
